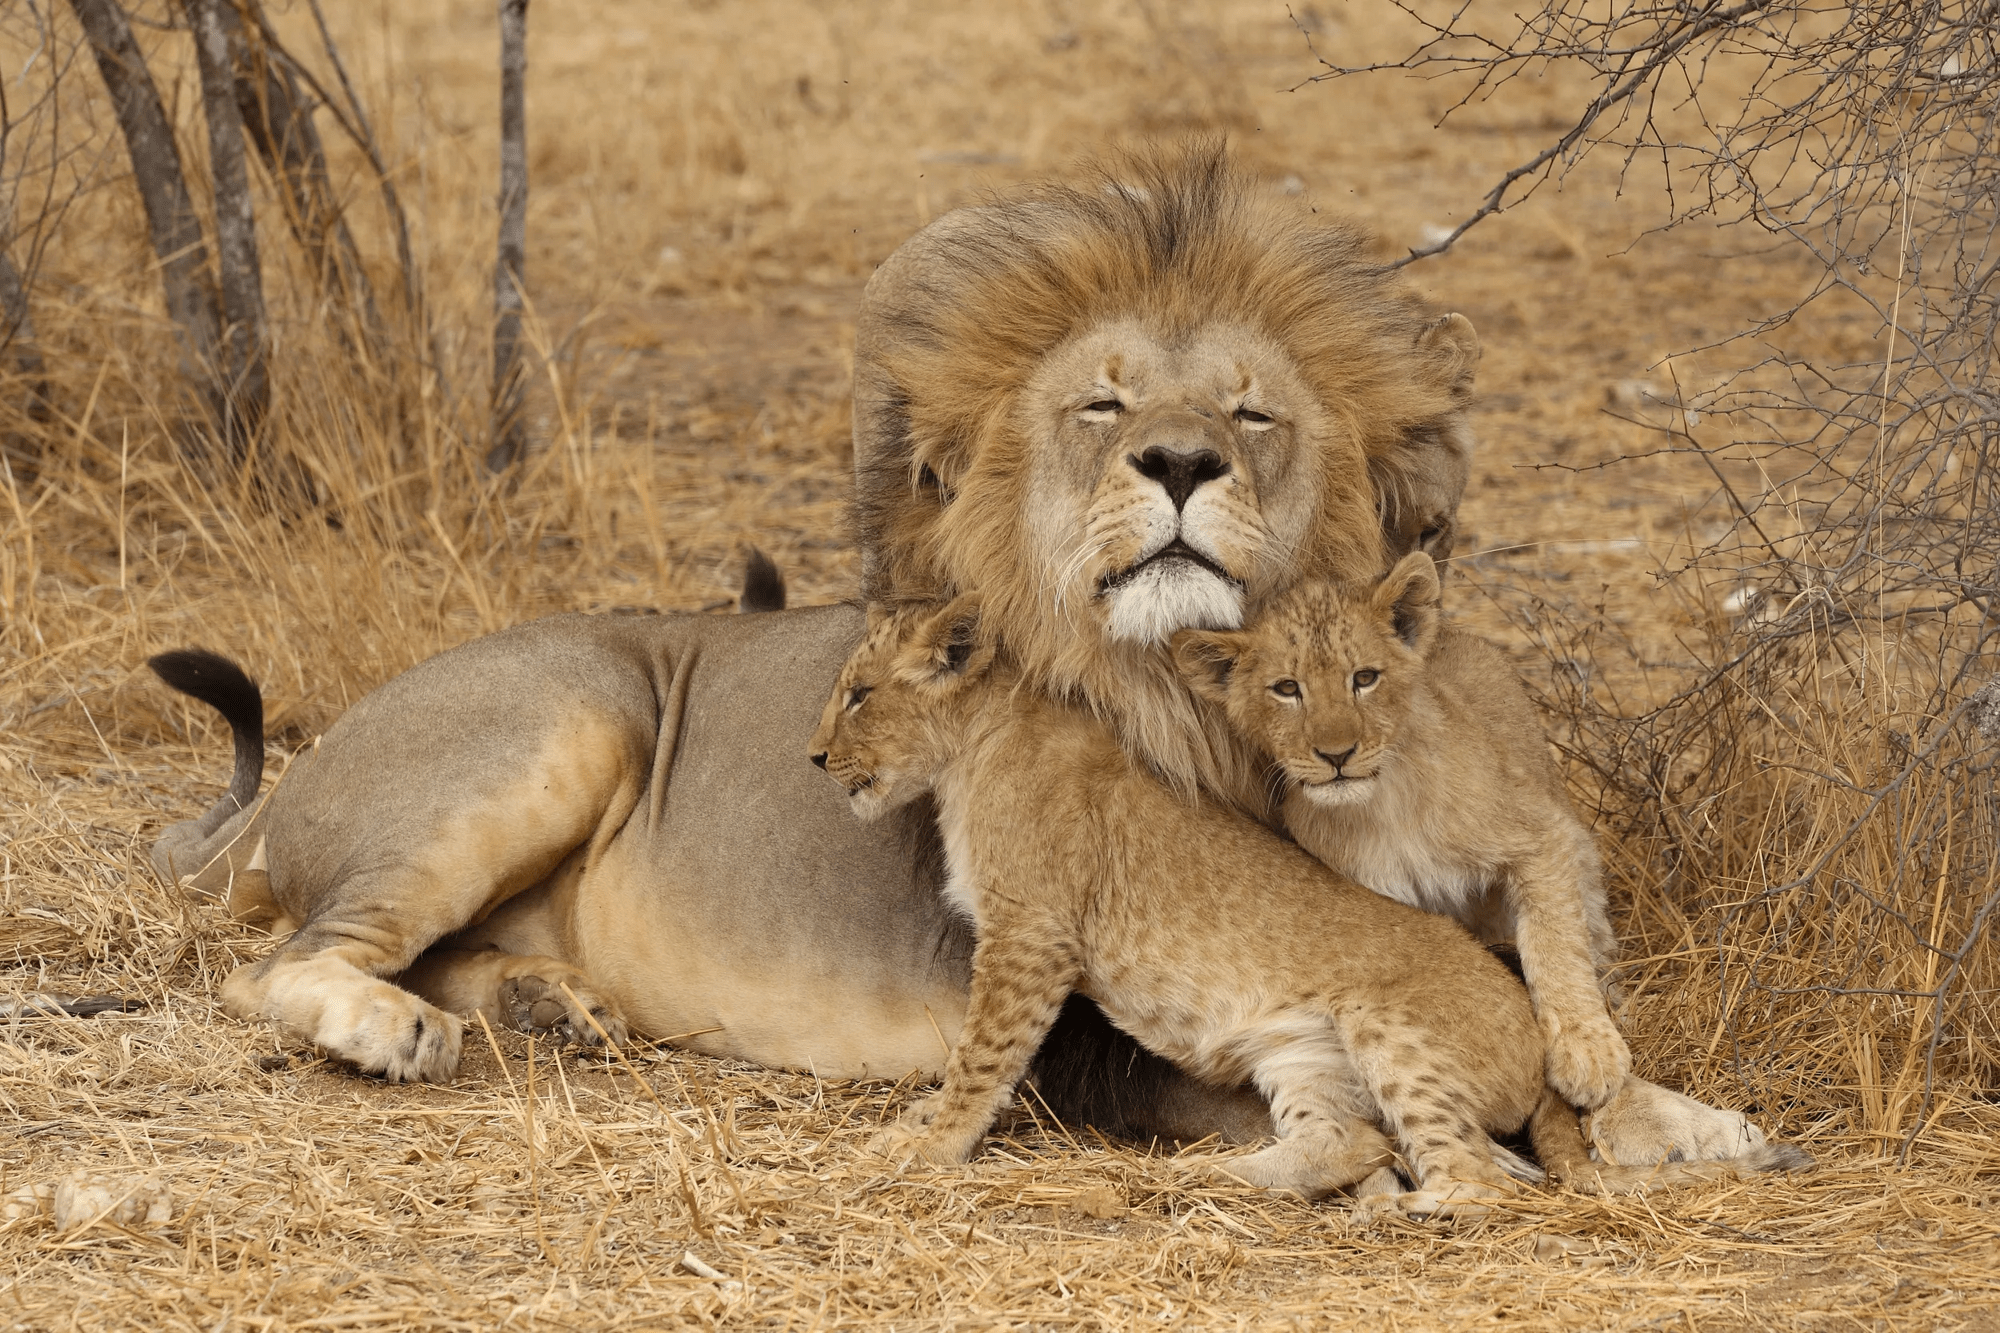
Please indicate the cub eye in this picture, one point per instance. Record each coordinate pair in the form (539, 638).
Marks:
(1366, 677)
(1286, 689)
(856, 695)
(1250, 416)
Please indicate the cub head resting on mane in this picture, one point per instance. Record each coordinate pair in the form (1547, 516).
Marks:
(1411, 754)
(1212, 940)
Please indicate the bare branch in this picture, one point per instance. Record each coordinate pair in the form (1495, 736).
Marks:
(156, 169)
(509, 292)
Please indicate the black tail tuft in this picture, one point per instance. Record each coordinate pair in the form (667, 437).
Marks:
(221, 684)
(763, 585)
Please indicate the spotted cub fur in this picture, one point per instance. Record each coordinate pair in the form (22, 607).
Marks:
(1214, 941)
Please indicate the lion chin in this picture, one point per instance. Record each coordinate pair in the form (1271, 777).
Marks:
(1167, 594)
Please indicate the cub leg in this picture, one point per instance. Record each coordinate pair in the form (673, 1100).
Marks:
(1323, 1115)
(1439, 1100)
(520, 991)
(1019, 981)
(1551, 892)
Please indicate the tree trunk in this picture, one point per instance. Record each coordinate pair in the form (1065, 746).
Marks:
(247, 385)
(156, 168)
(278, 119)
(17, 335)
(508, 292)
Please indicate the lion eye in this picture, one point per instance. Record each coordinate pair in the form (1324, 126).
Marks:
(1250, 416)
(1286, 689)
(1366, 677)
(856, 695)
(1108, 406)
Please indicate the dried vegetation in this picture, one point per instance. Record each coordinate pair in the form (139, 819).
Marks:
(1760, 696)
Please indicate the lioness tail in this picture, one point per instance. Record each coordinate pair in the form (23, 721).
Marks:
(1558, 1140)
(221, 684)
(763, 585)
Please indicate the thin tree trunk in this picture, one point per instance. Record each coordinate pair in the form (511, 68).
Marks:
(508, 292)
(17, 336)
(17, 325)
(355, 122)
(278, 119)
(156, 167)
(246, 332)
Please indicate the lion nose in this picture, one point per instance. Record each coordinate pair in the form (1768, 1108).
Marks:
(820, 759)
(1179, 471)
(1336, 760)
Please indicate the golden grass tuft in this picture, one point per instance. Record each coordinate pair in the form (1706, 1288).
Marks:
(712, 184)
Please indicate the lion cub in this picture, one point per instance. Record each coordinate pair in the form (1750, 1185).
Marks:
(1214, 941)
(1414, 763)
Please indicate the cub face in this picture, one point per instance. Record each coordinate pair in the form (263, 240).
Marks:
(1323, 680)
(887, 729)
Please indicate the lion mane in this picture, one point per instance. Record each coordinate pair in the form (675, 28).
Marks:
(953, 418)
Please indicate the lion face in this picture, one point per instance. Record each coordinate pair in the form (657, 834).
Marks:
(1164, 486)
(1323, 681)
(889, 724)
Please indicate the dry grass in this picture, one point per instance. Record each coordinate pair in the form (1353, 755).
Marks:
(712, 184)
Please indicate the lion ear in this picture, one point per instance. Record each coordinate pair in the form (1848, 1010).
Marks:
(1206, 659)
(1408, 598)
(1451, 345)
(953, 641)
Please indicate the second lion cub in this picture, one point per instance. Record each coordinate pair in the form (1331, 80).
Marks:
(1413, 761)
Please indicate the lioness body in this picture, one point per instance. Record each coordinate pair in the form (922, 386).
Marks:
(618, 804)
(1413, 763)
(1209, 938)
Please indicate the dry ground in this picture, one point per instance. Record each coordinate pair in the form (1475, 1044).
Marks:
(713, 184)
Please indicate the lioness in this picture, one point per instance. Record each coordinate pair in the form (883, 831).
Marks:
(1411, 753)
(1209, 938)
(622, 801)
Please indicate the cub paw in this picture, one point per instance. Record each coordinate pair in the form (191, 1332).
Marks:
(917, 1137)
(1280, 1168)
(1451, 1198)
(530, 1004)
(1588, 1061)
(1646, 1124)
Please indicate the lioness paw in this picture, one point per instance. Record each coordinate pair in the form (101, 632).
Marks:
(1588, 1062)
(530, 1004)
(387, 1031)
(1646, 1124)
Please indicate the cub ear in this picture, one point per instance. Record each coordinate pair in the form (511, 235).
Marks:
(953, 641)
(1206, 659)
(1407, 597)
(1451, 345)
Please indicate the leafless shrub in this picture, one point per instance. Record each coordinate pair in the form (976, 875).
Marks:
(1822, 819)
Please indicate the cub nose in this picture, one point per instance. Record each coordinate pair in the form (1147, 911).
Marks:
(1179, 471)
(820, 759)
(1336, 760)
